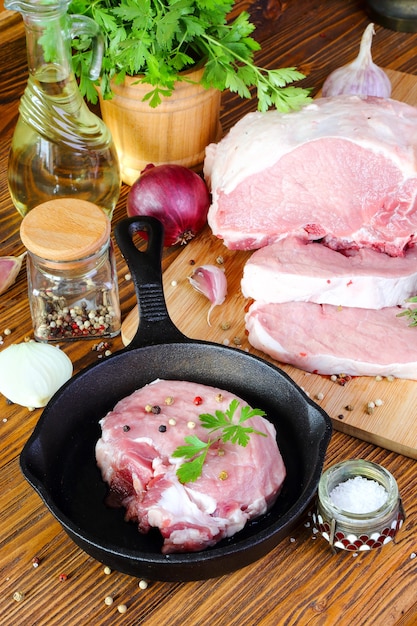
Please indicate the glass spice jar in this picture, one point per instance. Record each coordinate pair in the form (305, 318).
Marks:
(72, 279)
(358, 531)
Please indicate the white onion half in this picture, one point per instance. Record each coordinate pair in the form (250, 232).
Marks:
(31, 372)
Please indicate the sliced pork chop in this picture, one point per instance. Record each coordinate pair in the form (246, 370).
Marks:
(343, 168)
(134, 455)
(325, 339)
(294, 269)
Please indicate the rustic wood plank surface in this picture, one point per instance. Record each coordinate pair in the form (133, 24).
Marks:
(300, 582)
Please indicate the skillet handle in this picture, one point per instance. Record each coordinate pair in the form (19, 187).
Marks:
(155, 324)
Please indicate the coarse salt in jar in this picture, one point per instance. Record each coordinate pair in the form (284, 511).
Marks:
(72, 279)
(358, 507)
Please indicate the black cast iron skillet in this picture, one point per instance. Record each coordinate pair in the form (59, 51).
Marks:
(58, 460)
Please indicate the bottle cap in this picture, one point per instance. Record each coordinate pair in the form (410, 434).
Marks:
(65, 229)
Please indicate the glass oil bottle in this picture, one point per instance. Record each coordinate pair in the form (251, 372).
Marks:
(60, 148)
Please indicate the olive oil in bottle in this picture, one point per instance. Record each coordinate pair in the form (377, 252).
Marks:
(60, 148)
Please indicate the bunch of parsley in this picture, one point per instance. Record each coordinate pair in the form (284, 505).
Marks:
(160, 38)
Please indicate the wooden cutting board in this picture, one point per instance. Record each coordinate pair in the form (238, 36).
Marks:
(392, 425)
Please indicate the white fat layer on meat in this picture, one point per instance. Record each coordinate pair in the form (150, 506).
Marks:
(104, 459)
(204, 502)
(146, 440)
(185, 535)
(257, 507)
(137, 483)
(361, 293)
(159, 466)
(258, 140)
(174, 503)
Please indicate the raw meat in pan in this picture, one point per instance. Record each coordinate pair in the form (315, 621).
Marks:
(326, 339)
(134, 456)
(294, 269)
(342, 168)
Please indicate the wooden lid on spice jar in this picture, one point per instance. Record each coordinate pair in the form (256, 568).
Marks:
(65, 229)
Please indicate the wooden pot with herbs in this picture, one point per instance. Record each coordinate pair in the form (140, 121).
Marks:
(158, 54)
(177, 132)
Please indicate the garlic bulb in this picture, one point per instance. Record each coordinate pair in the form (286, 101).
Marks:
(31, 372)
(361, 77)
(211, 282)
(9, 269)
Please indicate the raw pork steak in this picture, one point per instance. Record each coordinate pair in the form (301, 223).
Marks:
(325, 339)
(298, 270)
(134, 455)
(341, 168)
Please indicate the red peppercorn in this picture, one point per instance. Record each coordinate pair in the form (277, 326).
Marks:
(198, 400)
(63, 577)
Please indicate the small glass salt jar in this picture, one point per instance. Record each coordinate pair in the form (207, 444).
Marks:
(358, 506)
(72, 279)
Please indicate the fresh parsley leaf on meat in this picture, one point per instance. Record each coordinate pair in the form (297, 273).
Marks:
(228, 428)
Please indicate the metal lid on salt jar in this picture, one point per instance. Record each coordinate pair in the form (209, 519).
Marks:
(65, 229)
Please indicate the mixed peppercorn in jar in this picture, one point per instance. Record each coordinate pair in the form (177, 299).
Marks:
(72, 280)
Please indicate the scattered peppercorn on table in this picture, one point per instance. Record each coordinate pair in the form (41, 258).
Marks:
(45, 577)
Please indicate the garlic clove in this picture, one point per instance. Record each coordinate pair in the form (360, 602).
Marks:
(362, 77)
(31, 372)
(211, 282)
(9, 269)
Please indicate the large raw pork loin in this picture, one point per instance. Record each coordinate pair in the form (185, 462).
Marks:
(294, 269)
(134, 455)
(342, 168)
(326, 339)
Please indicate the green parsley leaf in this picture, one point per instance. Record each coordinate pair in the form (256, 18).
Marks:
(191, 470)
(229, 428)
(195, 450)
(194, 445)
(410, 313)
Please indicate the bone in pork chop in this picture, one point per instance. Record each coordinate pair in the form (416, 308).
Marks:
(134, 455)
(326, 339)
(342, 168)
(297, 270)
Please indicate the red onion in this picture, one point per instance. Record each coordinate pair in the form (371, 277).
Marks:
(175, 195)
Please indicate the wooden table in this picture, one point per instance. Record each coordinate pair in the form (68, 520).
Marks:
(300, 582)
